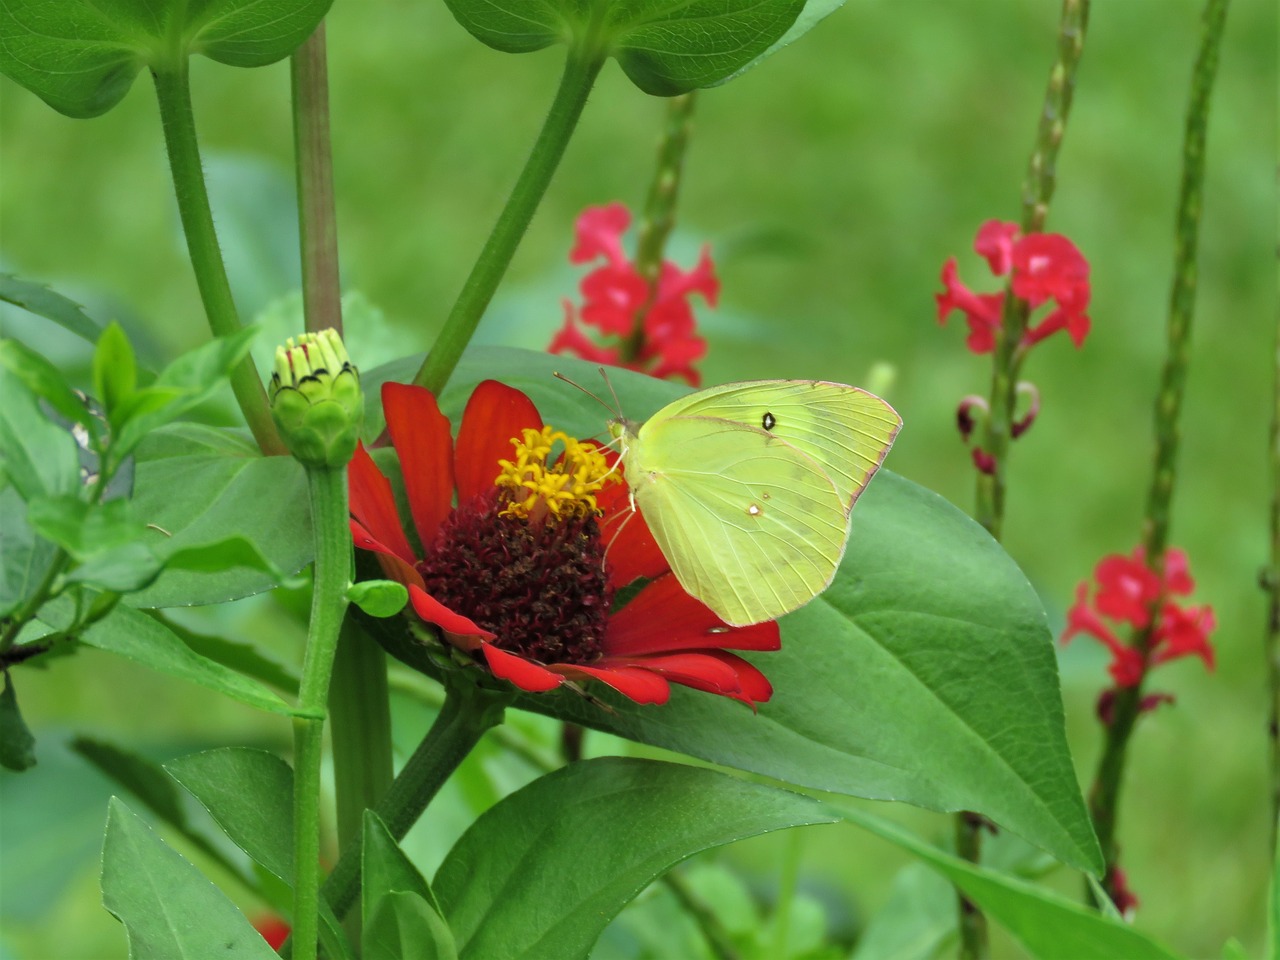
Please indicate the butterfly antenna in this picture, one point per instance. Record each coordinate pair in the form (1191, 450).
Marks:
(617, 404)
(616, 411)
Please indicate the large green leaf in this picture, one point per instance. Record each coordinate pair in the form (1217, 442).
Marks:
(43, 302)
(24, 557)
(201, 497)
(144, 778)
(80, 56)
(169, 910)
(926, 673)
(1049, 926)
(39, 457)
(401, 917)
(666, 47)
(544, 871)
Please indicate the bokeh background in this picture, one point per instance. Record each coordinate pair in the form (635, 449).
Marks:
(831, 182)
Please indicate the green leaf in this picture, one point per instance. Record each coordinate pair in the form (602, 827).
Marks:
(84, 530)
(24, 557)
(169, 910)
(523, 883)
(665, 47)
(814, 12)
(39, 457)
(132, 634)
(143, 778)
(917, 922)
(45, 381)
(241, 657)
(80, 56)
(1048, 925)
(402, 916)
(115, 369)
(17, 745)
(926, 673)
(378, 598)
(249, 794)
(203, 498)
(43, 302)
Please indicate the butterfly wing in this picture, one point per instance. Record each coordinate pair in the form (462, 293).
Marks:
(845, 429)
(751, 525)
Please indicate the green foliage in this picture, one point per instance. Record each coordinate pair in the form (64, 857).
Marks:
(168, 909)
(521, 883)
(44, 302)
(401, 916)
(664, 48)
(379, 598)
(143, 778)
(80, 56)
(17, 745)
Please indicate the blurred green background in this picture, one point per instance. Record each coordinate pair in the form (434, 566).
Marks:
(831, 182)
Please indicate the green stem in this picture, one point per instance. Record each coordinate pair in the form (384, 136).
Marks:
(173, 91)
(1104, 797)
(321, 292)
(579, 75)
(328, 492)
(719, 940)
(360, 729)
(660, 208)
(1271, 583)
(467, 713)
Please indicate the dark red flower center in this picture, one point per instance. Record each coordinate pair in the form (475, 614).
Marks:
(538, 584)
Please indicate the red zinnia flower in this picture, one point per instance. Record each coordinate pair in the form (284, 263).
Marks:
(516, 575)
(1045, 267)
(274, 930)
(619, 303)
(1130, 592)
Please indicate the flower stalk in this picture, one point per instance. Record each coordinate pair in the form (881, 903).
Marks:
(1271, 583)
(580, 70)
(1104, 797)
(173, 91)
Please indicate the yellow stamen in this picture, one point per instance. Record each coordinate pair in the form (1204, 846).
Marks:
(566, 488)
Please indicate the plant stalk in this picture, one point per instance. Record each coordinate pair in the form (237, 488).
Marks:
(317, 221)
(1104, 796)
(580, 70)
(1271, 583)
(173, 91)
(328, 492)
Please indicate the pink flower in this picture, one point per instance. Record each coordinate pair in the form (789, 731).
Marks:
(1044, 267)
(635, 327)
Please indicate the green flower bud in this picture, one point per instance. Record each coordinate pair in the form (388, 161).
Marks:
(316, 399)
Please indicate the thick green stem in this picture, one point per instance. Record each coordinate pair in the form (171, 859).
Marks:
(321, 293)
(360, 730)
(660, 208)
(1271, 583)
(579, 75)
(328, 490)
(173, 91)
(467, 713)
(1104, 796)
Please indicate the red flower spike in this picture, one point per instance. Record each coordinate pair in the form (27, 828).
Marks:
(1117, 885)
(1126, 589)
(994, 243)
(1184, 632)
(619, 303)
(981, 311)
(516, 573)
(984, 461)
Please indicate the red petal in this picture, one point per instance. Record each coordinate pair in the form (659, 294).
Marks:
(635, 683)
(423, 439)
(454, 624)
(662, 618)
(714, 671)
(630, 549)
(525, 674)
(495, 415)
(392, 565)
(599, 233)
(374, 505)
(994, 243)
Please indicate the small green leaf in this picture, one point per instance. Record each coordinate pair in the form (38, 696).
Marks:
(813, 13)
(243, 658)
(378, 598)
(169, 910)
(24, 557)
(249, 793)
(84, 530)
(402, 916)
(143, 778)
(39, 457)
(115, 369)
(1048, 925)
(45, 381)
(515, 26)
(17, 745)
(80, 56)
(132, 634)
(520, 883)
(43, 302)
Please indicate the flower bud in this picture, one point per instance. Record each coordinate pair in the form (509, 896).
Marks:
(316, 400)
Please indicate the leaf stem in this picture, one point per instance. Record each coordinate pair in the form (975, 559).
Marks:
(173, 92)
(467, 713)
(317, 221)
(328, 494)
(580, 70)
(1104, 796)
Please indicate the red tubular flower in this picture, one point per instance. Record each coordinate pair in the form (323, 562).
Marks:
(618, 302)
(1128, 591)
(516, 575)
(1044, 268)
